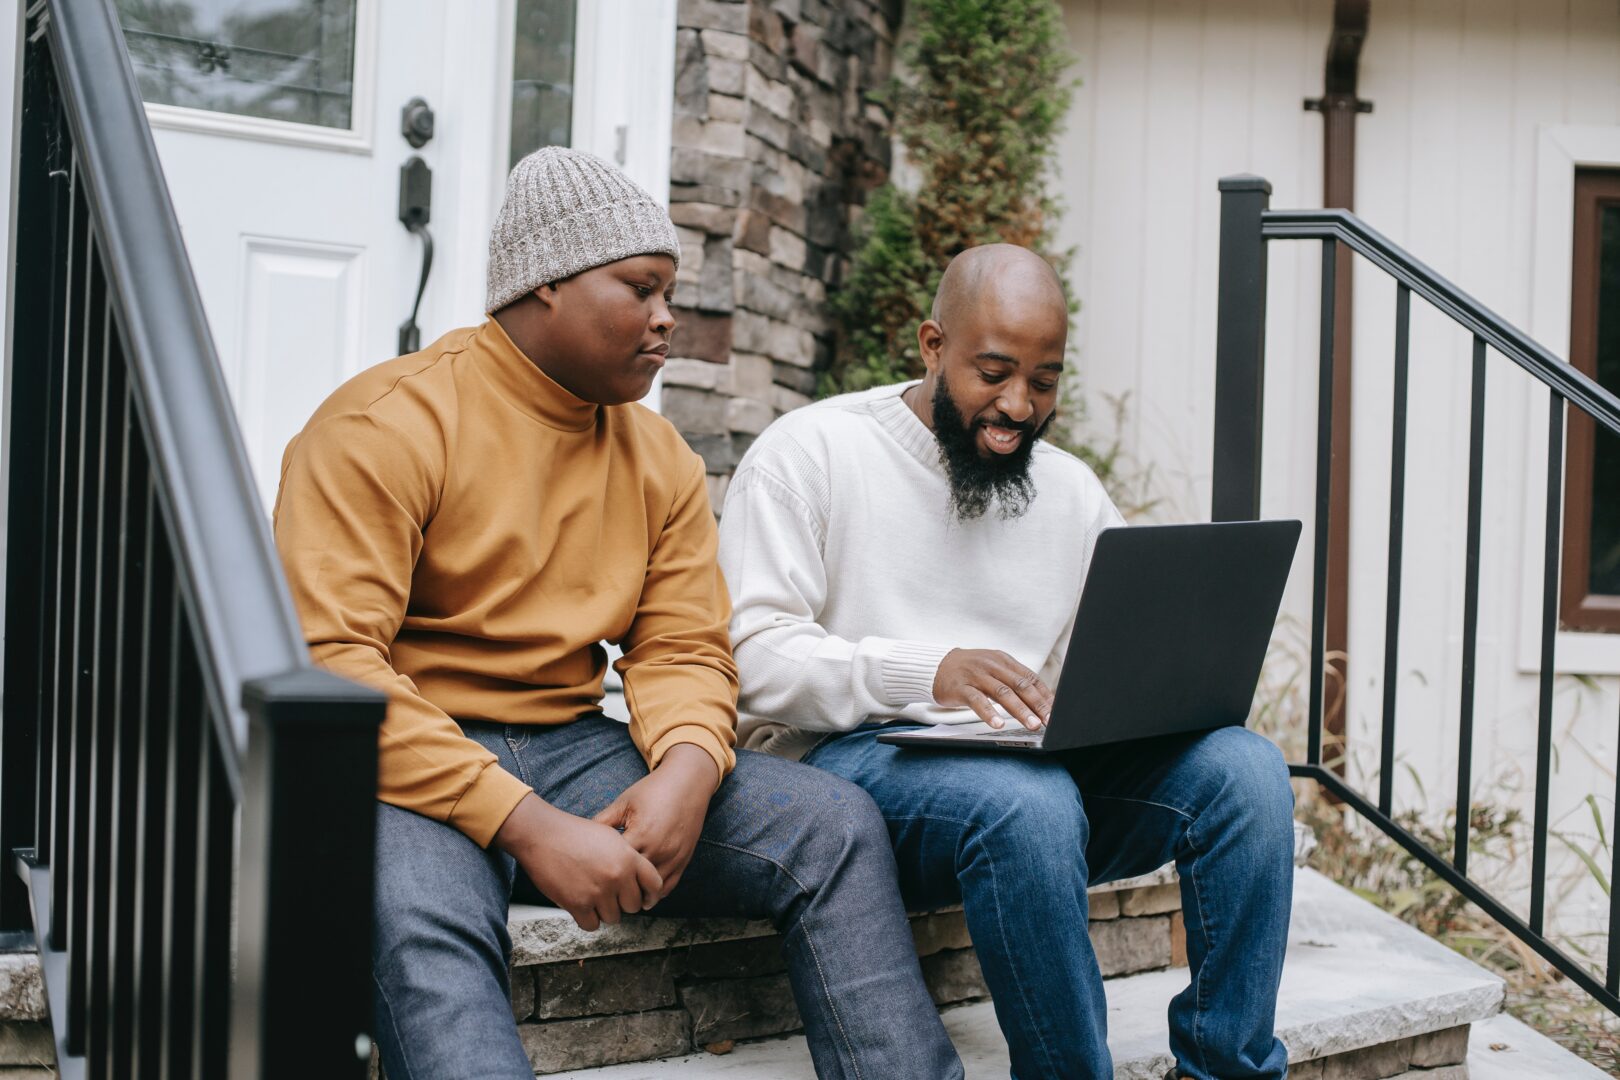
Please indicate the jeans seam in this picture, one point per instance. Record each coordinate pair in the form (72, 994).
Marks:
(399, 1040)
(809, 940)
(517, 758)
(1009, 954)
(1203, 968)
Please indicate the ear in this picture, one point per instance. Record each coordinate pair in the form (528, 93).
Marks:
(547, 295)
(930, 342)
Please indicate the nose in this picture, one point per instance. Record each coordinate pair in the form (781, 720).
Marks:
(1015, 401)
(662, 321)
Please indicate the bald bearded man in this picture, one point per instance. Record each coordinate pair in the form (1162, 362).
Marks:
(914, 555)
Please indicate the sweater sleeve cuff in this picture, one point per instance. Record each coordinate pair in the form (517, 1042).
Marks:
(909, 668)
(487, 803)
(699, 736)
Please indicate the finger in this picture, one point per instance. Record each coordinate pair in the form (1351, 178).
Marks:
(670, 882)
(607, 909)
(629, 895)
(651, 882)
(614, 813)
(979, 702)
(586, 917)
(1029, 699)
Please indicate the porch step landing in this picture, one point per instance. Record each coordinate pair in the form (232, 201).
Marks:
(1363, 996)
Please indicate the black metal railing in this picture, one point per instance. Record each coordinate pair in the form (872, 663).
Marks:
(1247, 224)
(156, 685)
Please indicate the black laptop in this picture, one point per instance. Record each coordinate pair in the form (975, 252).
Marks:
(1173, 626)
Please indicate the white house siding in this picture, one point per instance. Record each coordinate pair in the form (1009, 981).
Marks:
(1467, 94)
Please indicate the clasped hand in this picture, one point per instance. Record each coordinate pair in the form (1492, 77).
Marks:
(630, 855)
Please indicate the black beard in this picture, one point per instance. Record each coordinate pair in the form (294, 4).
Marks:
(976, 480)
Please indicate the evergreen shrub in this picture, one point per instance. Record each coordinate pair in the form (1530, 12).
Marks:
(978, 115)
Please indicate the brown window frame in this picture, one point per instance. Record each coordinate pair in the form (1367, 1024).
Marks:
(1581, 609)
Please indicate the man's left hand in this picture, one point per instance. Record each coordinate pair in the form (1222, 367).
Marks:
(661, 815)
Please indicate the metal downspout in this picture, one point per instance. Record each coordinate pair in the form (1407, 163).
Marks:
(1339, 107)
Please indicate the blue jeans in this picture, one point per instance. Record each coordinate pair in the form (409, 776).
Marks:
(1016, 840)
(781, 841)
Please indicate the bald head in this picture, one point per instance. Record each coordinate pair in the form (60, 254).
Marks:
(1000, 277)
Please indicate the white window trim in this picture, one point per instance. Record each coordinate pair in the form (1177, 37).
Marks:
(355, 139)
(1561, 149)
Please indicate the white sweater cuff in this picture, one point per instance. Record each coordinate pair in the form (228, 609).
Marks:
(909, 668)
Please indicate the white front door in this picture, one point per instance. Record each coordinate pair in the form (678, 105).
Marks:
(279, 125)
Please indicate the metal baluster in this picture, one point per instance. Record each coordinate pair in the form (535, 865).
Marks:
(1549, 631)
(1324, 479)
(1470, 641)
(113, 501)
(75, 876)
(1397, 513)
(40, 91)
(127, 794)
(67, 600)
(180, 838)
(211, 1014)
(158, 712)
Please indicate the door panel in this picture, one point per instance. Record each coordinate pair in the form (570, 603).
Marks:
(287, 366)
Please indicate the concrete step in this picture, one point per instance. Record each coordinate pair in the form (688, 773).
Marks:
(1503, 1048)
(1359, 986)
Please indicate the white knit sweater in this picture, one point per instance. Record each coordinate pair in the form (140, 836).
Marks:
(851, 578)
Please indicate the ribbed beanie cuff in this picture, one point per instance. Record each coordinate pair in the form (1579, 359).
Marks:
(566, 212)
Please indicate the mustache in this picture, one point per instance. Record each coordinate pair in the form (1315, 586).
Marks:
(1001, 419)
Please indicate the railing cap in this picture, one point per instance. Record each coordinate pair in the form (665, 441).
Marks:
(309, 687)
(1245, 182)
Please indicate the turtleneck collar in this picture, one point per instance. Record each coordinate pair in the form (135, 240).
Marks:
(520, 380)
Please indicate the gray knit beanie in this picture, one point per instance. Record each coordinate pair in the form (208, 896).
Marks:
(567, 211)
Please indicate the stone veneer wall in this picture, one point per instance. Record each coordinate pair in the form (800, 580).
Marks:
(602, 1010)
(775, 145)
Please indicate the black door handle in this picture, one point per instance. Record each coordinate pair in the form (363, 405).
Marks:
(415, 211)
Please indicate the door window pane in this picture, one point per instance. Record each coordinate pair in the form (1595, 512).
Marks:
(1605, 565)
(542, 75)
(274, 59)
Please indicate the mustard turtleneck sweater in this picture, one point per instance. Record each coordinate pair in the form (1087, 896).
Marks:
(463, 533)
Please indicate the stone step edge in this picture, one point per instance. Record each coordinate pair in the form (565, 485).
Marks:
(544, 935)
(539, 935)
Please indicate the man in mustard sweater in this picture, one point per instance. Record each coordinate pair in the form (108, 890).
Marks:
(463, 527)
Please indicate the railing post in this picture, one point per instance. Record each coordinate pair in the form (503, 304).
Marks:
(303, 962)
(1240, 349)
(25, 333)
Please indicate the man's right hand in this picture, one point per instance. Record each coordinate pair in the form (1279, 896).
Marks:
(984, 678)
(585, 868)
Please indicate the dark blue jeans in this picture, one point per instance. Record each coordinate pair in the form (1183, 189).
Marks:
(782, 841)
(1016, 840)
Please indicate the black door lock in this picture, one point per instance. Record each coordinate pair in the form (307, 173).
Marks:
(415, 211)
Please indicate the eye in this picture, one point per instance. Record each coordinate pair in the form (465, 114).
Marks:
(642, 291)
(1045, 388)
(992, 376)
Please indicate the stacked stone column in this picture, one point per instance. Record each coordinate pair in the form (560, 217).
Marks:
(776, 142)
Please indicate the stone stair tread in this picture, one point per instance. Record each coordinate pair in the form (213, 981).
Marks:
(544, 935)
(1505, 1048)
(1354, 977)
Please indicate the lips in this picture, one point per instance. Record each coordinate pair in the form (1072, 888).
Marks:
(1000, 440)
(656, 355)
